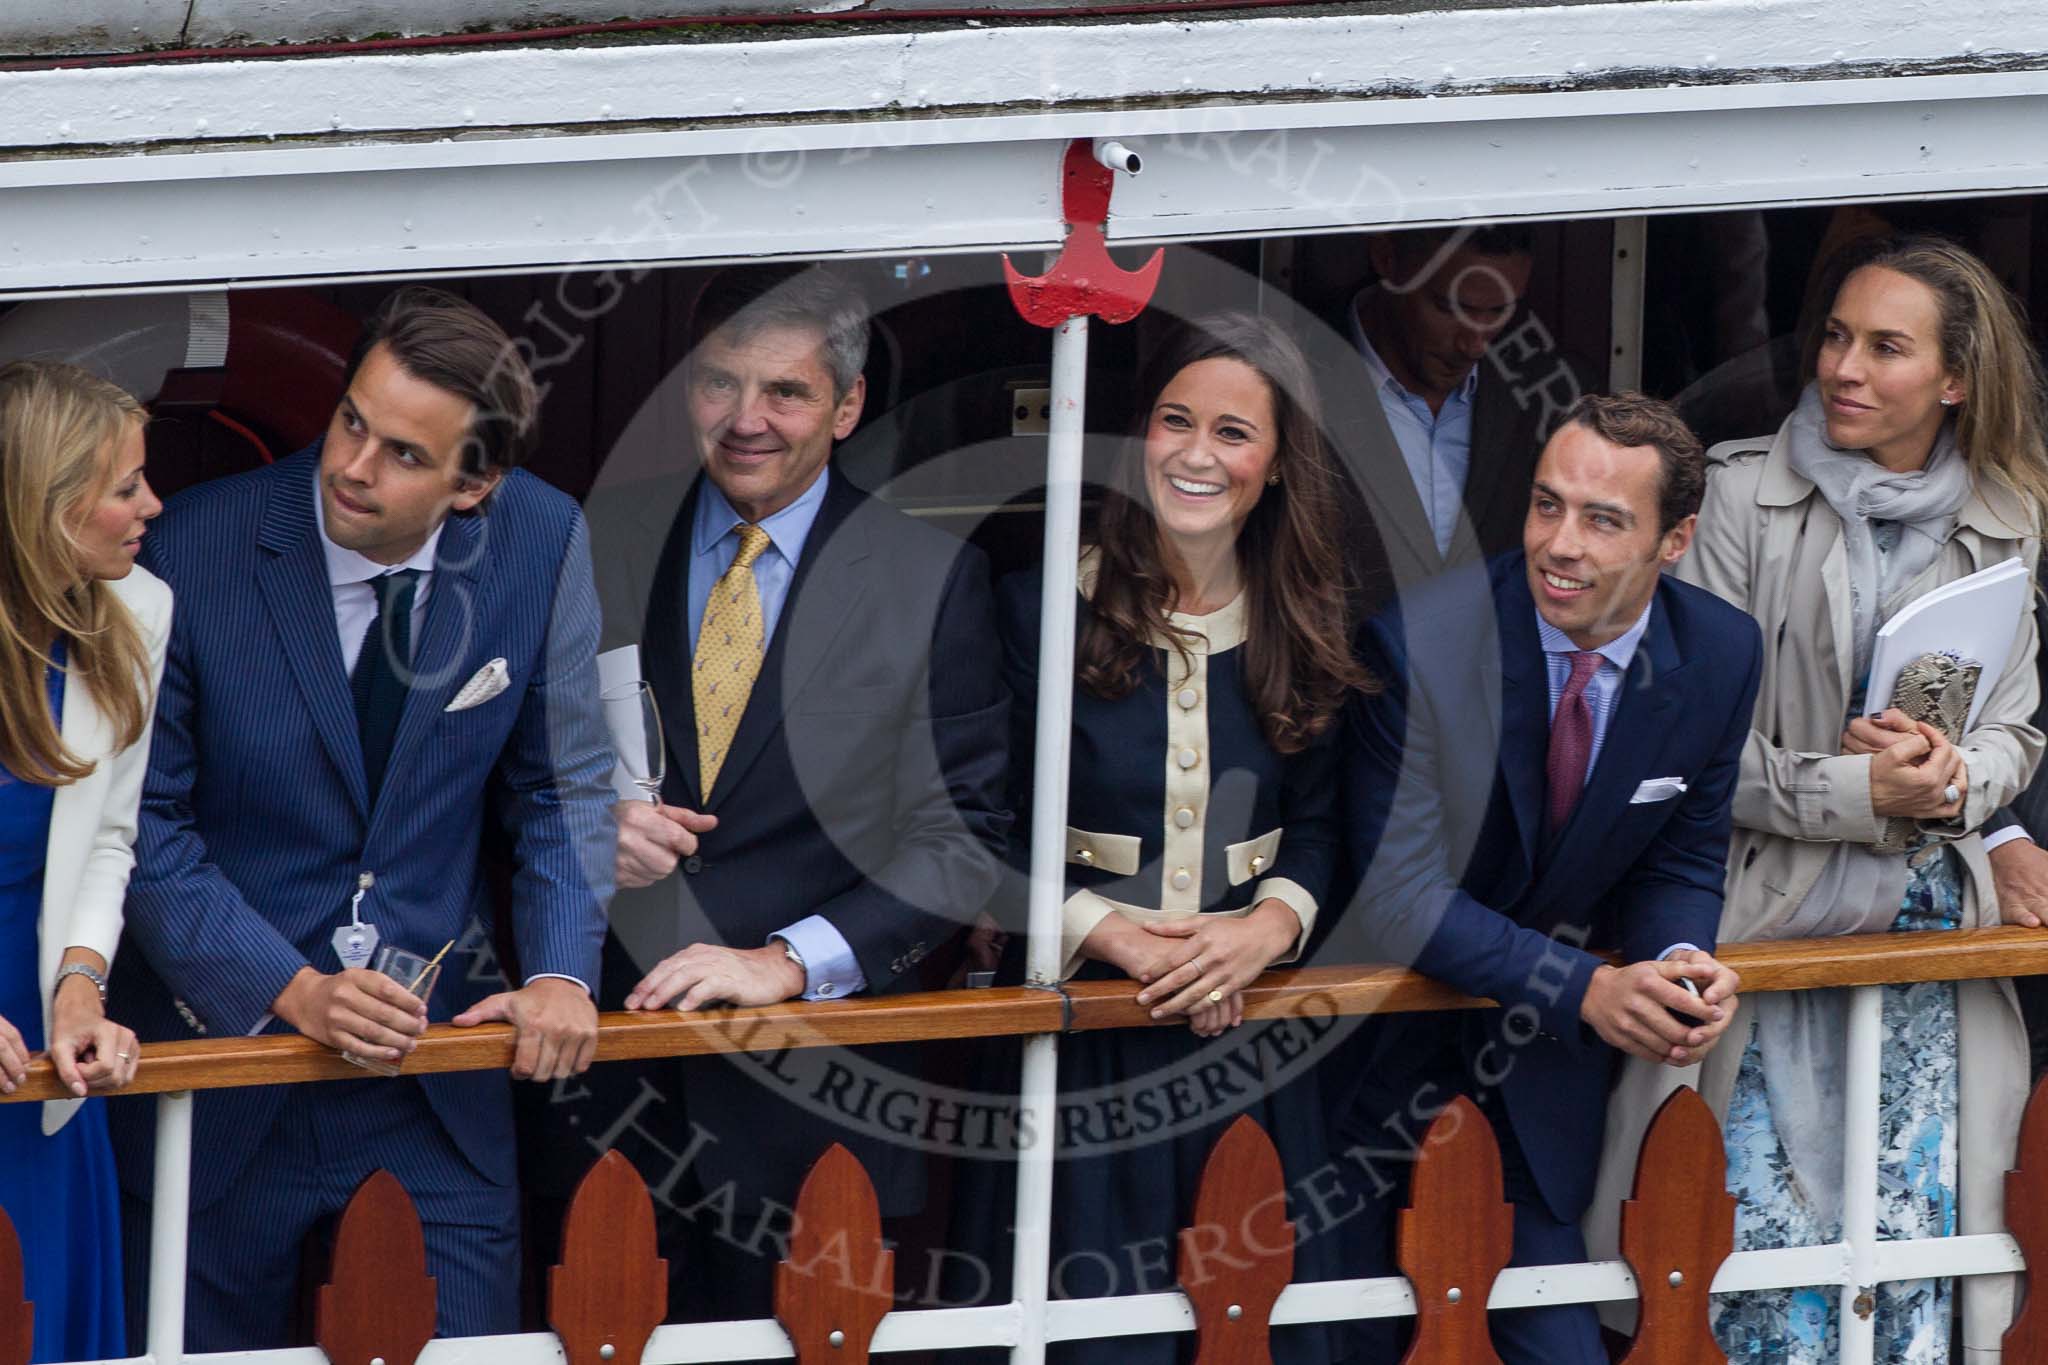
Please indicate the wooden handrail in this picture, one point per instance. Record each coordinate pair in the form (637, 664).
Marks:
(1785, 965)
(223, 1063)
(1320, 992)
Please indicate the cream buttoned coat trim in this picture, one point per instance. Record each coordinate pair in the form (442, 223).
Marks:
(1187, 747)
(1187, 796)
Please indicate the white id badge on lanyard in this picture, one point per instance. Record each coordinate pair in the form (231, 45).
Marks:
(356, 940)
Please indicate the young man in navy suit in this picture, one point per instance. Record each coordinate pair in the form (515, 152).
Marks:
(828, 676)
(378, 639)
(1550, 778)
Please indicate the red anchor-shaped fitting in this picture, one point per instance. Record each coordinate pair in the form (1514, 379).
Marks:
(1084, 281)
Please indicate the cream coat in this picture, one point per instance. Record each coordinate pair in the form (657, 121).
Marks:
(1769, 543)
(92, 821)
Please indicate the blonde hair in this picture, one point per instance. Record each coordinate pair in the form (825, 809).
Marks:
(59, 427)
(1985, 344)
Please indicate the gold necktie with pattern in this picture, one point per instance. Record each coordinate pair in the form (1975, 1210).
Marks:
(729, 647)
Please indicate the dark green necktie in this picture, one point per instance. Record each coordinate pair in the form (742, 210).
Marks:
(383, 672)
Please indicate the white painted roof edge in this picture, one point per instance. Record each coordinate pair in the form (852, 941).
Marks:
(917, 77)
(1186, 125)
(764, 145)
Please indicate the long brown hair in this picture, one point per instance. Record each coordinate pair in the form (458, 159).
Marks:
(1984, 343)
(1297, 661)
(59, 428)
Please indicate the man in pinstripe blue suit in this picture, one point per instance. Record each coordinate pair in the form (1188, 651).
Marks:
(306, 751)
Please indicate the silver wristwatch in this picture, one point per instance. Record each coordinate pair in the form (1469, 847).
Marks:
(80, 969)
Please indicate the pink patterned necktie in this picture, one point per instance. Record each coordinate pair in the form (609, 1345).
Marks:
(1571, 743)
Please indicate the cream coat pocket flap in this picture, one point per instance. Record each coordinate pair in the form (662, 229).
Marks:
(1252, 858)
(1117, 853)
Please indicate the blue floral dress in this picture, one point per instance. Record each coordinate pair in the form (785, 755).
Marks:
(1917, 1167)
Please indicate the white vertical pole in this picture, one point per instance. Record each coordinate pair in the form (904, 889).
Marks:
(1863, 1062)
(1625, 355)
(1056, 648)
(170, 1215)
(1032, 1267)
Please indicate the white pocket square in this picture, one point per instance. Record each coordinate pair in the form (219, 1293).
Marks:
(1657, 789)
(488, 682)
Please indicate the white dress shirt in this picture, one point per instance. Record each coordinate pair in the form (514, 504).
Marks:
(349, 576)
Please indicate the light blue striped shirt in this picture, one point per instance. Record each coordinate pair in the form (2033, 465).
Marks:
(1436, 446)
(715, 544)
(1604, 688)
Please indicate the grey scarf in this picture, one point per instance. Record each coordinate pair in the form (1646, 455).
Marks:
(1803, 1034)
(1923, 504)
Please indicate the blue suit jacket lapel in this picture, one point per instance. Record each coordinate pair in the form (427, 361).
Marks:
(822, 592)
(292, 577)
(449, 629)
(1525, 709)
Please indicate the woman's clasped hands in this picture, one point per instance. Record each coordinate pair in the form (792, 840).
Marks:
(1198, 966)
(91, 1053)
(1913, 766)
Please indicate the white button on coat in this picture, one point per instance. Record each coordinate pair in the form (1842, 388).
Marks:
(1182, 879)
(1184, 817)
(1188, 758)
(1187, 697)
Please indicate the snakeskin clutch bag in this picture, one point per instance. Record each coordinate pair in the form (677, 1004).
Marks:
(1936, 689)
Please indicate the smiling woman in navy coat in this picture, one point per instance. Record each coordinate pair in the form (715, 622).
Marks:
(1211, 662)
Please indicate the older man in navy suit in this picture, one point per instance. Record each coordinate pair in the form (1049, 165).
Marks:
(378, 639)
(828, 675)
(1551, 778)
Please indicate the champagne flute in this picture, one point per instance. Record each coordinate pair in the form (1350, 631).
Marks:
(629, 710)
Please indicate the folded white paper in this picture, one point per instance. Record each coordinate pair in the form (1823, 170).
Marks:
(1973, 619)
(620, 668)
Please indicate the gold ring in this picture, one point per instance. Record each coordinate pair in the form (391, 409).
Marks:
(1215, 997)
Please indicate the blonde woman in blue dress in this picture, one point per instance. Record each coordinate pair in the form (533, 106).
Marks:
(84, 633)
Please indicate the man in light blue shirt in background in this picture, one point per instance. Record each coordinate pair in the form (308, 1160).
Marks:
(1422, 328)
(1438, 401)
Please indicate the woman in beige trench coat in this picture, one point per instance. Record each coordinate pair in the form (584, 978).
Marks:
(1771, 540)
